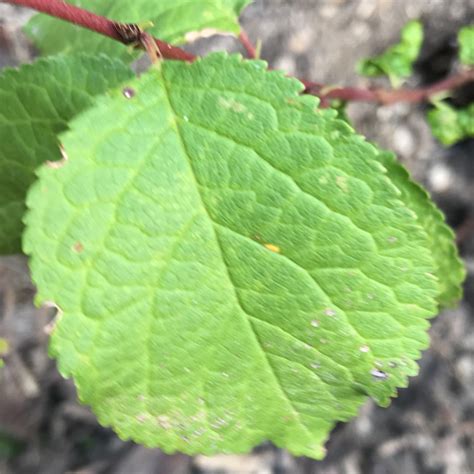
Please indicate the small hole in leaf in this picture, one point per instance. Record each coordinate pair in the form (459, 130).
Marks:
(128, 92)
(58, 163)
(379, 375)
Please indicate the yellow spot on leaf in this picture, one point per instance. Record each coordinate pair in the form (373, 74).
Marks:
(272, 248)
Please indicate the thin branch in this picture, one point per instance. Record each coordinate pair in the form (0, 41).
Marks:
(390, 96)
(99, 24)
(247, 44)
(78, 16)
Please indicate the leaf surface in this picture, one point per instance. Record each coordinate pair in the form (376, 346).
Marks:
(232, 264)
(36, 102)
(466, 45)
(450, 269)
(397, 61)
(172, 21)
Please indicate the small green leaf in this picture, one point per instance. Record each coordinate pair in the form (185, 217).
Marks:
(173, 20)
(466, 45)
(4, 347)
(232, 263)
(9, 446)
(397, 61)
(450, 125)
(450, 268)
(36, 102)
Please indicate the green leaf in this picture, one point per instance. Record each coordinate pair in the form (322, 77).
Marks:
(450, 269)
(231, 263)
(4, 347)
(173, 20)
(466, 45)
(9, 446)
(397, 61)
(450, 125)
(36, 102)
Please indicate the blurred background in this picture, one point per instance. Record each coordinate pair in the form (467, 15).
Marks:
(429, 428)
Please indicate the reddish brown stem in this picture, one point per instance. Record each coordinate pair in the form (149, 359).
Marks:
(390, 96)
(78, 16)
(248, 45)
(99, 24)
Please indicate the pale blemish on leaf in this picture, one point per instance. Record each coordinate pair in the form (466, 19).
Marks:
(192, 36)
(142, 418)
(164, 421)
(232, 104)
(379, 375)
(341, 182)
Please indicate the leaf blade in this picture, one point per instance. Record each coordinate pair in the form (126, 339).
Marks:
(450, 269)
(235, 262)
(37, 101)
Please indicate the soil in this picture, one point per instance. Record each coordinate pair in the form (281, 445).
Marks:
(429, 428)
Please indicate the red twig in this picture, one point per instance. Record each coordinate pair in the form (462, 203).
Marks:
(78, 16)
(97, 23)
(248, 45)
(390, 96)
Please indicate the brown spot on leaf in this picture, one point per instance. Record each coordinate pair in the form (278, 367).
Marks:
(78, 247)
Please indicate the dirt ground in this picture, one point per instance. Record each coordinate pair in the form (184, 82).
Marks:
(429, 428)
